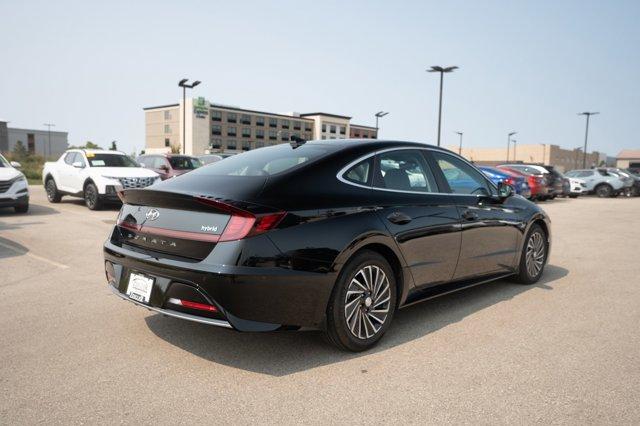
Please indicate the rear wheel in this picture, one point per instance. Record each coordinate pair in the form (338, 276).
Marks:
(362, 303)
(604, 190)
(52, 191)
(533, 257)
(91, 196)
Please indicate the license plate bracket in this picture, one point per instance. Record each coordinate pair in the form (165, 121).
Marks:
(140, 287)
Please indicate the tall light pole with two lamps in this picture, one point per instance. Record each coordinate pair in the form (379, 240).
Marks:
(586, 136)
(442, 71)
(183, 83)
(460, 147)
(379, 115)
(509, 143)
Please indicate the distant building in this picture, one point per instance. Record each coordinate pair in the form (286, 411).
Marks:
(553, 155)
(221, 128)
(628, 158)
(39, 142)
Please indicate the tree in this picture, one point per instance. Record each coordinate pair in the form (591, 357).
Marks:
(91, 145)
(114, 147)
(19, 151)
(175, 149)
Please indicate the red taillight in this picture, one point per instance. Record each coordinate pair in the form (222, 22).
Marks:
(243, 223)
(193, 305)
(509, 181)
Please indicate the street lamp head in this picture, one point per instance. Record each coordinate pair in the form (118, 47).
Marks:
(437, 68)
(182, 82)
(459, 133)
(195, 83)
(512, 133)
(381, 114)
(588, 113)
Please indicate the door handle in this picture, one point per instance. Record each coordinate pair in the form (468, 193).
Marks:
(469, 215)
(399, 218)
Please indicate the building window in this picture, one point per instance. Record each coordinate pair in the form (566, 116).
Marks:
(273, 135)
(259, 134)
(245, 119)
(324, 137)
(246, 145)
(259, 144)
(284, 136)
(167, 128)
(216, 115)
(273, 122)
(365, 136)
(167, 115)
(231, 144)
(216, 129)
(260, 121)
(167, 142)
(232, 117)
(216, 143)
(332, 129)
(343, 130)
(356, 134)
(246, 132)
(307, 127)
(324, 127)
(285, 124)
(296, 125)
(231, 131)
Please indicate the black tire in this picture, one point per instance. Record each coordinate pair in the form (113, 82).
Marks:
(339, 325)
(573, 196)
(92, 197)
(21, 208)
(53, 195)
(525, 274)
(604, 190)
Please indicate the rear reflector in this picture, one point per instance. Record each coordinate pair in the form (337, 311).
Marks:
(193, 305)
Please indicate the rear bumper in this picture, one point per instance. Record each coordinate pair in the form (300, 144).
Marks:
(247, 298)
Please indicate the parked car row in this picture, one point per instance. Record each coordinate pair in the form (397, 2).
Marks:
(14, 190)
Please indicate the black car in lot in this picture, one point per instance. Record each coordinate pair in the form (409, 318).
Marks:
(335, 235)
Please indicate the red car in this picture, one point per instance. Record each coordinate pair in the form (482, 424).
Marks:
(169, 165)
(537, 184)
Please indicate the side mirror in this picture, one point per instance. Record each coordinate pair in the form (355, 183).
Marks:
(16, 165)
(504, 190)
(78, 165)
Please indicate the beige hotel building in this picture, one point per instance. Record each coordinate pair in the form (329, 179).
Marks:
(213, 128)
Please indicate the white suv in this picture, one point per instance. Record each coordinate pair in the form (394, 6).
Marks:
(14, 190)
(94, 175)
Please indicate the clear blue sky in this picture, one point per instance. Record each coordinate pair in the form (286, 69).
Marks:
(527, 66)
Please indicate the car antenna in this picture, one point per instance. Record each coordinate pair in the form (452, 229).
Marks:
(296, 141)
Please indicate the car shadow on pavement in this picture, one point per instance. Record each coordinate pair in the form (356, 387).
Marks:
(10, 248)
(34, 210)
(80, 202)
(287, 352)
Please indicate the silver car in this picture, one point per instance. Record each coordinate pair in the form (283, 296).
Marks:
(600, 182)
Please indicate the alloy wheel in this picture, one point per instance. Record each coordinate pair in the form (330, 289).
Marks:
(51, 190)
(367, 302)
(535, 254)
(90, 196)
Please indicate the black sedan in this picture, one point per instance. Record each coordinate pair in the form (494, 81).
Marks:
(334, 235)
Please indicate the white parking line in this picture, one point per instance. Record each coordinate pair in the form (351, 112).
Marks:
(33, 256)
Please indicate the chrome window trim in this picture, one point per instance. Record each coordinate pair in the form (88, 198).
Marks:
(342, 171)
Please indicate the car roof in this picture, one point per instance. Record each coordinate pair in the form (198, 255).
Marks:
(95, 151)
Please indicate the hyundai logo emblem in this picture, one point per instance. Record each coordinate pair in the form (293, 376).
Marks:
(152, 214)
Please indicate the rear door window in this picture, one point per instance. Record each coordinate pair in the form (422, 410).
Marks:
(360, 173)
(404, 170)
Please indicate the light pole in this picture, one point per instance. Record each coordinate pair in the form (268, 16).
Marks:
(379, 115)
(49, 126)
(441, 70)
(586, 136)
(460, 147)
(575, 157)
(183, 83)
(515, 159)
(509, 143)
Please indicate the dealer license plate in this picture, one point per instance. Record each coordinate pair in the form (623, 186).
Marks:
(139, 288)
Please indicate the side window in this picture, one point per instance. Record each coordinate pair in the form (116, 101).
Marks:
(585, 174)
(69, 158)
(79, 158)
(404, 170)
(158, 162)
(461, 177)
(359, 173)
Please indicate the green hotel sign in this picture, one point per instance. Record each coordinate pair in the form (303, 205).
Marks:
(201, 107)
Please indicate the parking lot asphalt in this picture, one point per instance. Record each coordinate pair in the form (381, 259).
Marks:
(563, 351)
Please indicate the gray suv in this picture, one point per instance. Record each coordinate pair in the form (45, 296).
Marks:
(600, 182)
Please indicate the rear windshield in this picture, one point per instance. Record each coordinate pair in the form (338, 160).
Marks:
(110, 160)
(265, 161)
(184, 163)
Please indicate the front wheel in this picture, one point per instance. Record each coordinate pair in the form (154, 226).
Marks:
(92, 197)
(52, 191)
(604, 190)
(362, 303)
(533, 257)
